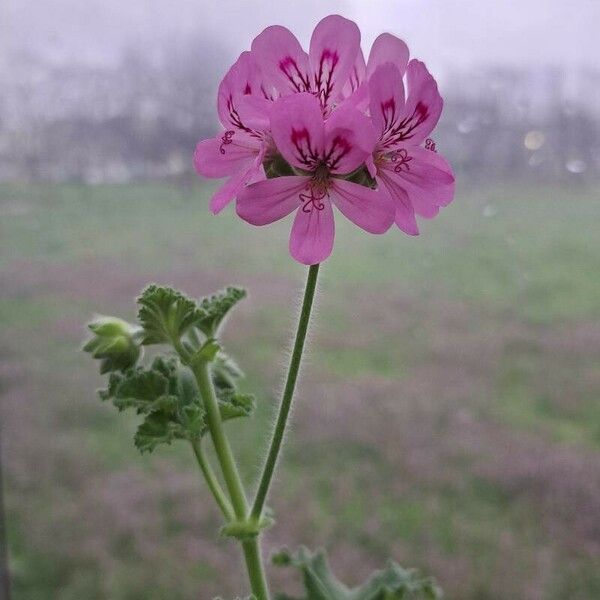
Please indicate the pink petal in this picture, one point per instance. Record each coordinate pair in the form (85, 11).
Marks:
(365, 207)
(423, 104)
(230, 189)
(298, 131)
(255, 112)
(387, 48)
(270, 200)
(349, 139)
(356, 77)
(386, 92)
(426, 177)
(404, 216)
(429, 171)
(311, 240)
(334, 46)
(223, 155)
(282, 60)
(243, 78)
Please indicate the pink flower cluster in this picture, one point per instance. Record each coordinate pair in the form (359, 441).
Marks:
(309, 131)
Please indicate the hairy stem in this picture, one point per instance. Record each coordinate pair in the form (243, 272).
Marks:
(232, 479)
(212, 481)
(288, 393)
(254, 566)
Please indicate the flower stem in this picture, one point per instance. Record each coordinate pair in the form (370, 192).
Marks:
(254, 566)
(232, 478)
(288, 393)
(212, 481)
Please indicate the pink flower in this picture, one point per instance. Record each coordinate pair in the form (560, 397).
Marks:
(324, 71)
(305, 132)
(322, 152)
(387, 48)
(417, 179)
(238, 151)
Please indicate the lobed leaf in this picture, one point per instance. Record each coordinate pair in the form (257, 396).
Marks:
(213, 309)
(167, 395)
(391, 583)
(165, 314)
(234, 404)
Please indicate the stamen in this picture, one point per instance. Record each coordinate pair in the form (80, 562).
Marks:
(430, 145)
(226, 140)
(401, 158)
(313, 199)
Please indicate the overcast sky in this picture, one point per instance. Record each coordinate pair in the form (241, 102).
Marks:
(443, 32)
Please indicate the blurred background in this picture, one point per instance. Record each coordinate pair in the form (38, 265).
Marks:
(449, 411)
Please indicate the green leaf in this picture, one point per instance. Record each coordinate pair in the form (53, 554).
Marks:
(391, 583)
(156, 429)
(165, 314)
(141, 390)
(233, 404)
(213, 309)
(206, 353)
(225, 372)
(167, 394)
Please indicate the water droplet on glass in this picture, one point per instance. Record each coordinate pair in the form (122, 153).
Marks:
(534, 140)
(576, 166)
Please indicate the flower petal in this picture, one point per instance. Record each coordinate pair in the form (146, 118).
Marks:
(282, 60)
(423, 104)
(404, 215)
(426, 178)
(386, 92)
(298, 131)
(356, 77)
(270, 200)
(349, 139)
(365, 207)
(243, 78)
(255, 112)
(429, 171)
(334, 46)
(230, 189)
(224, 155)
(387, 48)
(311, 240)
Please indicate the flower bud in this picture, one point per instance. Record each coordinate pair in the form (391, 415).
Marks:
(115, 343)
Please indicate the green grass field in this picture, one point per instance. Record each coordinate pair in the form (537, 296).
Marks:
(448, 414)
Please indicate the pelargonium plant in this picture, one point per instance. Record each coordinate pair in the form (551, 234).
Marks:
(306, 133)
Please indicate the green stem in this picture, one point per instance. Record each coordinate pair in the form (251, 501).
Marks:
(255, 568)
(232, 478)
(222, 447)
(211, 480)
(288, 393)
